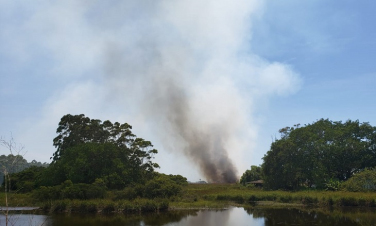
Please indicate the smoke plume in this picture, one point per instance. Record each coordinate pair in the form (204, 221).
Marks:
(185, 65)
(204, 144)
(183, 70)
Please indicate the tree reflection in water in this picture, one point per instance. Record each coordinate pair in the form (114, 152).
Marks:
(324, 216)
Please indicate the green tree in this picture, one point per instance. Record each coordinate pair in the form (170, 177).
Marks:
(16, 163)
(27, 180)
(77, 129)
(251, 175)
(362, 182)
(88, 149)
(319, 152)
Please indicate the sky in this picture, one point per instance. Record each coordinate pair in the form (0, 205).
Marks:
(229, 73)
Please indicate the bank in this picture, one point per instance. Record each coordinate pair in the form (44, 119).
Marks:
(201, 196)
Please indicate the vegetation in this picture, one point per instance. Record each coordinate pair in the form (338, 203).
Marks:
(198, 196)
(26, 180)
(88, 149)
(251, 175)
(363, 181)
(222, 195)
(313, 155)
(15, 163)
(98, 161)
(103, 167)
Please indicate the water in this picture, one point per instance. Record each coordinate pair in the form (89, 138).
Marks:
(232, 216)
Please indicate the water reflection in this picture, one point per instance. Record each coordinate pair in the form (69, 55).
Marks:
(25, 220)
(252, 216)
(299, 217)
(164, 218)
(232, 216)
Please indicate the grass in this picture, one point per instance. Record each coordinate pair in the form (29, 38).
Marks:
(15, 199)
(222, 195)
(105, 206)
(203, 196)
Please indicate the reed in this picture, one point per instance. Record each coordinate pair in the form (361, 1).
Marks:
(105, 206)
(203, 196)
(234, 194)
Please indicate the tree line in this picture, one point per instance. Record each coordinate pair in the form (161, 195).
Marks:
(16, 163)
(318, 155)
(92, 157)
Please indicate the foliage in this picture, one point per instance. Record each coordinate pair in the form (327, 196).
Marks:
(27, 180)
(251, 175)
(164, 186)
(78, 129)
(204, 196)
(88, 149)
(311, 155)
(161, 186)
(333, 185)
(68, 190)
(362, 182)
(16, 163)
(86, 162)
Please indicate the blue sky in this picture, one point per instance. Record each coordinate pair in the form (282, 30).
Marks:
(332, 47)
(249, 68)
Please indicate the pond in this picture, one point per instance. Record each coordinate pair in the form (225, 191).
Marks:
(232, 216)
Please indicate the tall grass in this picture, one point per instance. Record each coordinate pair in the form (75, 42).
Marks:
(198, 196)
(105, 206)
(16, 199)
(234, 194)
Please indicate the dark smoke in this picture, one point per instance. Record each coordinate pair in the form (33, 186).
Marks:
(177, 67)
(204, 145)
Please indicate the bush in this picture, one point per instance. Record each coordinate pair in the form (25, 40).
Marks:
(362, 182)
(130, 193)
(46, 193)
(333, 185)
(26, 180)
(161, 187)
(68, 190)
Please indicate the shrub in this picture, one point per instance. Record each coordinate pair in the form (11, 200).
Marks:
(363, 181)
(333, 185)
(68, 190)
(161, 187)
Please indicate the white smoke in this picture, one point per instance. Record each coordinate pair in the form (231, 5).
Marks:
(119, 60)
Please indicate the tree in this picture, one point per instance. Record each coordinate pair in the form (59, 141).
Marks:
(88, 149)
(318, 152)
(363, 181)
(27, 180)
(8, 165)
(16, 163)
(77, 129)
(251, 175)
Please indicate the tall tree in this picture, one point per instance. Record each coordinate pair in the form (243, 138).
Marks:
(314, 154)
(77, 129)
(88, 149)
